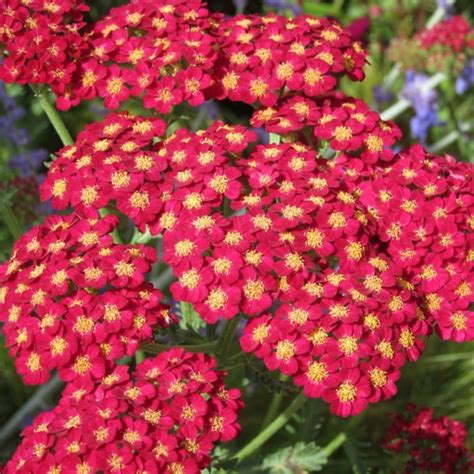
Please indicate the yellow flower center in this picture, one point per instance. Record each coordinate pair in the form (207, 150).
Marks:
(346, 392)
(222, 266)
(374, 143)
(217, 299)
(458, 321)
(114, 86)
(348, 345)
(260, 333)
(184, 248)
(316, 371)
(140, 200)
(253, 290)
(378, 377)
(298, 316)
(34, 362)
(285, 350)
(82, 365)
(342, 133)
(190, 279)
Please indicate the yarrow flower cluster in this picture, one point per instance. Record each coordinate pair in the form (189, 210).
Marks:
(454, 33)
(387, 269)
(430, 444)
(262, 58)
(157, 50)
(42, 39)
(342, 265)
(160, 185)
(165, 417)
(73, 300)
(167, 52)
(344, 123)
(151, 46)
(357, 258)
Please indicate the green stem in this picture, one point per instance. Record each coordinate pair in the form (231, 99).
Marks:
(273, 409)
(54, 117)
(11, 221)
(211, 331)
(155, 348)
(237, 356)
(271, 429)
(227, 334)
(338, 441)
(308, 135)
(275, 404)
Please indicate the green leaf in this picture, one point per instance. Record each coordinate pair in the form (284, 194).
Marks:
(222, 462)
(356, 452)
(189, 318)
(302, 457)
(317, 9)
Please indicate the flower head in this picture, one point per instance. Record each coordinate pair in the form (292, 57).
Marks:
(128, 421)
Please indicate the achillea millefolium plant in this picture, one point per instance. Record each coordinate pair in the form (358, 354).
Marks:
(330, 257)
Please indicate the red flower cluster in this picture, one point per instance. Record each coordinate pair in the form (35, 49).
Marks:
(73, 300)
(454, 33)
(358, 257)
(158, 50)
(160, 185)
(262, 58)
(112, 160)
(170, 51)
(430, 445)
(164, 419)
(42, 39)
(401, 262)
(346, 124)
(425, 206)
(162, 47)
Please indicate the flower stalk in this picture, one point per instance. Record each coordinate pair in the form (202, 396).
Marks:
(271, 429)
(335, 444)
(55, 119)
(227, 335)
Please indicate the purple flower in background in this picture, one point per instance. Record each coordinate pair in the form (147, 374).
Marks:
(9, 131)
(263, 135)
(424, 101)
(24, 160)
(447, 6)
(28, 162)
(382, 95)
(210, 110)
(466, 79)
(283, 5)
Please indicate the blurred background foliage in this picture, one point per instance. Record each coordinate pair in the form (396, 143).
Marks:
(444, 376)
